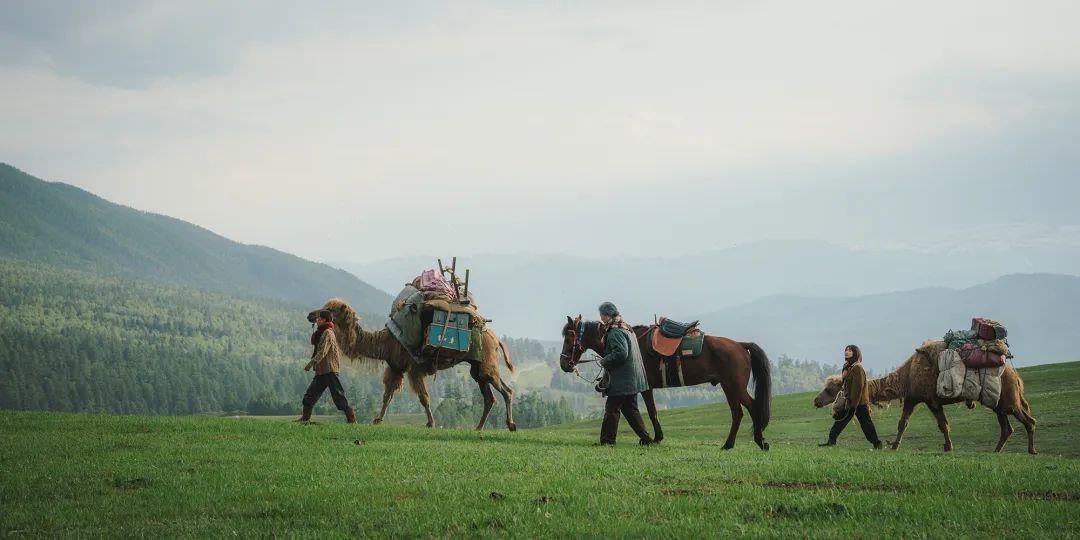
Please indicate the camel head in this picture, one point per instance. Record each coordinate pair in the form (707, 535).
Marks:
(346, 321)
(828, 394)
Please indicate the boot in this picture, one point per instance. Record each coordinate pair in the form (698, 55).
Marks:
(350, 415)
(306, 416)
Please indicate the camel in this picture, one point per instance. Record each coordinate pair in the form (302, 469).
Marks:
(360, 344)
(915, 382)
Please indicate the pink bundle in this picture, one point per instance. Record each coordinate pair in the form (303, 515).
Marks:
(431, 281)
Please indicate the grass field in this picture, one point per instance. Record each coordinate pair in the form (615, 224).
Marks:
(81, 475)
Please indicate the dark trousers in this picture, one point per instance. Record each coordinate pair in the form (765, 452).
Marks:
(624, 405)
(319, 384)
(862, 412)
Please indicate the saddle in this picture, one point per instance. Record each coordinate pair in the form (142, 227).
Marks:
(670, 338)
(676, 329)
(673, 341)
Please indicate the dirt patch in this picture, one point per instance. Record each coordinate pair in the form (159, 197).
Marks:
(814, 511)
(847, 486)
(1048, 496)
(131, 484)
(677, 492)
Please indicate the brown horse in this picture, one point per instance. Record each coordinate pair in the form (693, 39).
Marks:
(381, 345)
(915, 382)
(722, 361)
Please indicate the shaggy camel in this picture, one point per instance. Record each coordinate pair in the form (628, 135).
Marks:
(381, 345)
(915, 382)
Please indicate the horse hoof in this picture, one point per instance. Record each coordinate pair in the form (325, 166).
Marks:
(765, 446)
(728, 447)
(377, 421)
(430, 424)
(511, 427)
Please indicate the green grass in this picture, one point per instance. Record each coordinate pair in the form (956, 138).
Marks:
(84, 475)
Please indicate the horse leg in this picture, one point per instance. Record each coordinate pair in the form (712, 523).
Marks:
(1006, 430)
(508, 400)
(392, 380)
(942, 424)
(736, 418)
(485, 390)
(650, 406)
(759, 437)
(905, 419)
(1029, 425)
(418, 383)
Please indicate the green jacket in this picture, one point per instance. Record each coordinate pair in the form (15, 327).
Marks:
(622, 360)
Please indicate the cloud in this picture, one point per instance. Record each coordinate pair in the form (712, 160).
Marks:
(536, 121)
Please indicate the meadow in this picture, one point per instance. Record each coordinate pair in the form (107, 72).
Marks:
(74, 475)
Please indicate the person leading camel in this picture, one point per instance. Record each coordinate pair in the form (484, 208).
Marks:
(326, 361)
(858, 400)
(626, 372)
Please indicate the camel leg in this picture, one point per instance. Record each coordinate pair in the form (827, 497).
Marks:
(943, 425)
(485, 390)
(1029, 425)
(418, 383)
(650, 405)
(736, 418)
(508, 400)
(392, 379)
(1006, 430)
(905, 419)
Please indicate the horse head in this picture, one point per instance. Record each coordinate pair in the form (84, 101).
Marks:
(578, 336)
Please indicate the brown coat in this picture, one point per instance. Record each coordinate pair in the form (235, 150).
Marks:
(855, 387)
(327, 358)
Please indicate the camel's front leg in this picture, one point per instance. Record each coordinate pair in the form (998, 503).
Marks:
(905, 419)
(392, 380)
(942, 424)
(418, 382)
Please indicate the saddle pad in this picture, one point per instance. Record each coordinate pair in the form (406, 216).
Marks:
(668, 346)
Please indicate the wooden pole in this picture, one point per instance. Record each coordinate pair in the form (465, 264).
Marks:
(466, 299)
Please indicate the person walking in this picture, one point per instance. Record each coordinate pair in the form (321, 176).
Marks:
(326, 361)
(857, 394)
(626, 377)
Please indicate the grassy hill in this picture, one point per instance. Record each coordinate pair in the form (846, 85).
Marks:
(64, 226)
(85, 475)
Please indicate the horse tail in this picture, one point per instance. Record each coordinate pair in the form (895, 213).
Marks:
(506, 355)
(759, 369)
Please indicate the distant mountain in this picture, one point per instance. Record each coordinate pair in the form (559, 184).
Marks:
(1041, 312)
(64, 226)
(529, 294)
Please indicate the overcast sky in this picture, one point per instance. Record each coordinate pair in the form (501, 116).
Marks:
(362, 132)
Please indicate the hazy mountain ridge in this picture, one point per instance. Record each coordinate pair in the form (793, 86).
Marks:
(64, 226)
(529, 294)
(1040, 311)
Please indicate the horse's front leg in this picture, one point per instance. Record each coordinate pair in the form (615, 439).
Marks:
(650, 406)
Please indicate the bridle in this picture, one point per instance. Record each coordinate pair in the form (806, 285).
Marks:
(577, 348)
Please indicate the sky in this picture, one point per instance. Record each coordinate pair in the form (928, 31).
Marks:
(364, 131)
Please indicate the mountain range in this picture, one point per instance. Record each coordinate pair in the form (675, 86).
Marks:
(530, 295)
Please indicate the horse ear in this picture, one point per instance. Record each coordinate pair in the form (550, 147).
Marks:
(569, 320)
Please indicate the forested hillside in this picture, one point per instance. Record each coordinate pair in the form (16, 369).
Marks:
(74, 341)
(64, 226)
